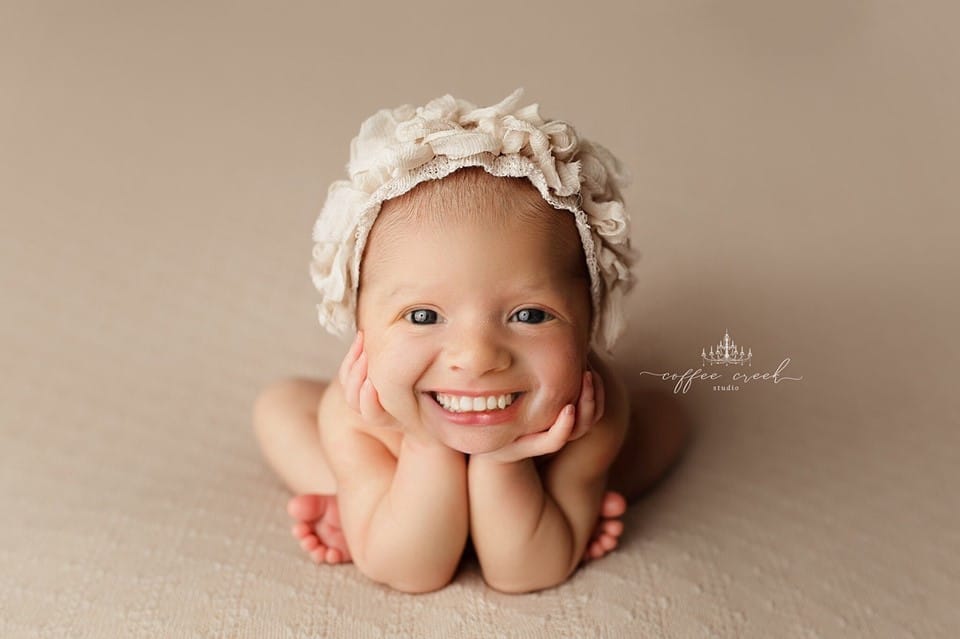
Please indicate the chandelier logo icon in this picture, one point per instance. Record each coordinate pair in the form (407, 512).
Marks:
(726, 353)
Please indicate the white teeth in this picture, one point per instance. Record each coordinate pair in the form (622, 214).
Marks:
(467, 404)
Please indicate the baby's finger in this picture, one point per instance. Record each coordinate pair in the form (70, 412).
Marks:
(585, 408)
(523, 448)
(355, 379)
(600, 395)
(350, 358)
(541, 443)
(370, 406)
(559, 434)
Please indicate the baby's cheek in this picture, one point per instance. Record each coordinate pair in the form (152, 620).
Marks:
(394, 378)
(559, 385)
(561, 392)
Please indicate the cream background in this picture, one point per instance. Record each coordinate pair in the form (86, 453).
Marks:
(161, 166)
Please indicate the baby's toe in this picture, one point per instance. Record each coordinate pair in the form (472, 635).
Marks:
(614, 504)
(613, 527)
(334, 556)
(309, 542)
(301, 530)
(318, 554)
(306, 507)
(607, 542)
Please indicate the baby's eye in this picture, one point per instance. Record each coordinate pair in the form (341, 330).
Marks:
(532, 315)
(422, 316)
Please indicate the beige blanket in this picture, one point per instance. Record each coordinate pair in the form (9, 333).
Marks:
(160, 169)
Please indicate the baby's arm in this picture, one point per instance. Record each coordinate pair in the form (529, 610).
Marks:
(404, 518)
(529, 534)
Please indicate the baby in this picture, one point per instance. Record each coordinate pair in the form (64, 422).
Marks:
(480, 255)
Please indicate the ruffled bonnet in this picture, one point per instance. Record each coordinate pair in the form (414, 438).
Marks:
(399, 148)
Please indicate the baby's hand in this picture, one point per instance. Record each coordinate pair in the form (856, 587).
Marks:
(360, 393)
(570, 425)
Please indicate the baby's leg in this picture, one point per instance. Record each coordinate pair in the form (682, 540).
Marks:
(285, 422)
(660, 431)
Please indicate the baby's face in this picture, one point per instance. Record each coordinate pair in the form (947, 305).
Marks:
(473, 307)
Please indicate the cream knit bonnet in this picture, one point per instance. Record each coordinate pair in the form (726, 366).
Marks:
(397, 149)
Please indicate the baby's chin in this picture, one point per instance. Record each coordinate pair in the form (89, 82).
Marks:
(479, 439)
(476, 443)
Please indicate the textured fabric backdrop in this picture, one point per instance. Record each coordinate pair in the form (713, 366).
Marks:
(160, 170)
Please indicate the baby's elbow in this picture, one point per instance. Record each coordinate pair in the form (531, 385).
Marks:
(531, 583)
(520, 588)
(421, 584)
(413, 582)
(419, 588)
(512, 588)
(524, 578)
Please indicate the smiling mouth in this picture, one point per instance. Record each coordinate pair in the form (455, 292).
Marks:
(463, 404)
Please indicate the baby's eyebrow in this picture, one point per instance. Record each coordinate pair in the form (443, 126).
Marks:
(532, 285)
(524, 288)
(535, 287)
(401, 289)
(520, 288)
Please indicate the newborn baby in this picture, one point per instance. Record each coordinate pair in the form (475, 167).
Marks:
(471, 406)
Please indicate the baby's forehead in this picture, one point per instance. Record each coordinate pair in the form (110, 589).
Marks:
(547, 232)
(471, 200)
(504, 215)
(471, 191)
(474, 198)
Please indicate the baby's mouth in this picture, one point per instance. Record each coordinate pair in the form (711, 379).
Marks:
(491, 404)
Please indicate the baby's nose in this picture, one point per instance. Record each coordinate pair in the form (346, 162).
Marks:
(477, 353)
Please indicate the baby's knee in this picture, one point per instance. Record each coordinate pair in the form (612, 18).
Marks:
(283, 397)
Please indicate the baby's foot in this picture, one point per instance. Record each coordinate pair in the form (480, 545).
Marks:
(318, 527)
(609, 526)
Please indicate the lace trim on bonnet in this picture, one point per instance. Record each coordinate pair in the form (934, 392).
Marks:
(399, 148)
